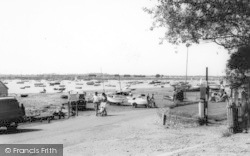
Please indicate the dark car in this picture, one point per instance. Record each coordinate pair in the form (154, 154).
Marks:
(11, 113)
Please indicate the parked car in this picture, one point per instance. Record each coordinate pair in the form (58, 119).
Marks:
(139, 100)
(11, 113)
(81, 103)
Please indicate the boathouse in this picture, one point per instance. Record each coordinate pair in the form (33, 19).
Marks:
(3, 89)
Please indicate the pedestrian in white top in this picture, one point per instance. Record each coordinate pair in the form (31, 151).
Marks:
(96, 102)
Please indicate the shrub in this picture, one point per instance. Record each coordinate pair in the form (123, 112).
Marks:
(226, 134)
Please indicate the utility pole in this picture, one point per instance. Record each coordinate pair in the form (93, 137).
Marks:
(207, 98)
(187, 45)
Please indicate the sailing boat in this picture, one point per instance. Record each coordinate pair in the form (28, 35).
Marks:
(118, 97)
(102, 82)
(120, 83)
(200, 81)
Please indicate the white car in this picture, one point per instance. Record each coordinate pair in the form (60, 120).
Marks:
(138, 100)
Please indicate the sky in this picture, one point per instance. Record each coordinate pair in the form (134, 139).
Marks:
(93, 36)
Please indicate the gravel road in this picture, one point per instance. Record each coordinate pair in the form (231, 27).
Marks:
(135, 132)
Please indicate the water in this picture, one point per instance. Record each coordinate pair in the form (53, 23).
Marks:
(15, 88)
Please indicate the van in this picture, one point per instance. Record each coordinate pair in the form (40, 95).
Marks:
(11, 113)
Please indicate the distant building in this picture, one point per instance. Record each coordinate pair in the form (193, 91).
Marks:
(139, 76)
(92, 75)
(126, 75)
(3, 89)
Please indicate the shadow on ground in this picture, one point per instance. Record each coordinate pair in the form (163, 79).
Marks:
(24, 130)
(89, 109)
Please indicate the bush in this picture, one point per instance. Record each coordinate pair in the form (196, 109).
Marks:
(201, 121)
(226, 134)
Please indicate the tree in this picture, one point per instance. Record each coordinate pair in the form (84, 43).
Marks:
(157, 75)
(238, 66)
(240, 60)
(225, 22)
(92, 75)
(126, 75)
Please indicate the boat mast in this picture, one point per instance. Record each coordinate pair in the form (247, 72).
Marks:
(120, 83)
(102, 82)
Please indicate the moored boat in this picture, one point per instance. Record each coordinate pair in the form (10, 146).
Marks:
(97, 84)
(24, 95)
(90, 83)
(20, 82)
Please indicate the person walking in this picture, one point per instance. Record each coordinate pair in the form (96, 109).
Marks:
(96, 102)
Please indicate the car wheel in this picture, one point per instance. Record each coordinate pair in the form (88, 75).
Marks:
(12, 127)
(135, 105)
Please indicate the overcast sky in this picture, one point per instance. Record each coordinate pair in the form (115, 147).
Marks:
(87, 36)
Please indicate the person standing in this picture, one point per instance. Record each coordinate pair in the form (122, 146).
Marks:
(222, 87)
(96, 102)
(148, 100)
(174, 94)
(104, 97)
(153, 101)
(102, 108)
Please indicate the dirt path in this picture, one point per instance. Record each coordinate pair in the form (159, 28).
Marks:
(136, 132)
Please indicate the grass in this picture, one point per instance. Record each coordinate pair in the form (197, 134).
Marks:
(216, 111)
(188, 114)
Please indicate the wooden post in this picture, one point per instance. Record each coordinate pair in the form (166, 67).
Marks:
(207, 97)
(77, 104)
(232, 113)
(248, 102)
(249, 88)
(236, 110)
(69, 104)
(201, 109)
(203, 100)
(164, 118)
(231, 117)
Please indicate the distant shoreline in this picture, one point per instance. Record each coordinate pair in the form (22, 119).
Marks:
(104, 77)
